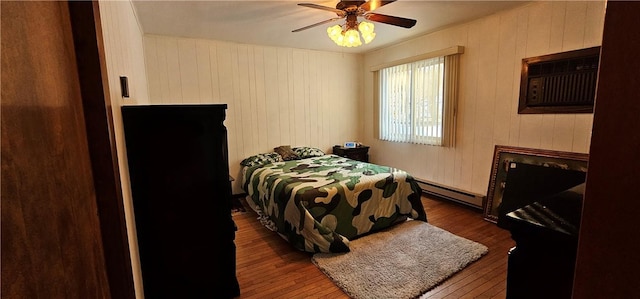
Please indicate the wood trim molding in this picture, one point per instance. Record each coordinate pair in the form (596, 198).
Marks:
(444, 52)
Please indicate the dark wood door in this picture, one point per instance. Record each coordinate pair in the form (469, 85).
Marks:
(51, 237)
(609, 242)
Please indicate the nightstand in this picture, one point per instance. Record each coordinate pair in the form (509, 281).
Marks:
(360, 153)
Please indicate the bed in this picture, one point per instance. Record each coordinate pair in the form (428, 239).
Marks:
(319, 202)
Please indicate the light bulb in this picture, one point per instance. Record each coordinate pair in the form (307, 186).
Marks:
(365, 27)
(352, 38)
(334, 32)
(340, 39)
(368, 37)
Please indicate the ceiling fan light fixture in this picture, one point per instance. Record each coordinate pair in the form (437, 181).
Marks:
(348, 34)
(351, 37)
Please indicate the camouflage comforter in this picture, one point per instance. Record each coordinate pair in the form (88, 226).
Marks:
(319, 204)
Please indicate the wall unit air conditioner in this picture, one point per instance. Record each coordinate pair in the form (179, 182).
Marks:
(559, 83)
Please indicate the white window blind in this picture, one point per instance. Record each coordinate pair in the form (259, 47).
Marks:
(412, 103)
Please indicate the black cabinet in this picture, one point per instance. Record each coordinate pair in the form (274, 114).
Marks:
(546, 235)
(181, 195)
(360, 153)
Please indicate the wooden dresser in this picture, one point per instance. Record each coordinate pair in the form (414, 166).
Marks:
(179, 172)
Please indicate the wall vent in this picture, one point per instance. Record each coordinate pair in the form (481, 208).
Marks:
(559, 83)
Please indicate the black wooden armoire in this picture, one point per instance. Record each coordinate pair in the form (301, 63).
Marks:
(179, 172)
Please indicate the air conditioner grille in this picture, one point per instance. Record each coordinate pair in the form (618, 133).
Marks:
(563, 82)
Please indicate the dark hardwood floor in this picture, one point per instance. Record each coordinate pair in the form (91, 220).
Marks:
(268, 267)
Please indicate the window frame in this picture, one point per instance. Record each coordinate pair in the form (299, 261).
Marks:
(451, 74)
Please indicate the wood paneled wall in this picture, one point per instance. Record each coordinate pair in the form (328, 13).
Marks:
(124, 50)
(275, 96)
(123, 45)
(489, 91)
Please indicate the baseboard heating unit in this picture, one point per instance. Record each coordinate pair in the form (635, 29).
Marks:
(460, 196)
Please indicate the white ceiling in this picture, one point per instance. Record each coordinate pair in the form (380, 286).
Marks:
(270, 22)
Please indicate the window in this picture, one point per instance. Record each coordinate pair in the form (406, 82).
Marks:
(417, 101)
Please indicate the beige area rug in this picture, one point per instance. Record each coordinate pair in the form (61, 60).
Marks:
(403, 261)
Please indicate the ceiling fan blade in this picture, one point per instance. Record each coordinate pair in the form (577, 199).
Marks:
(316, 6)
(391, 20)
(374, 4)
(316, 24)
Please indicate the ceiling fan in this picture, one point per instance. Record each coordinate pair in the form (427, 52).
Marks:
(351, 10)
